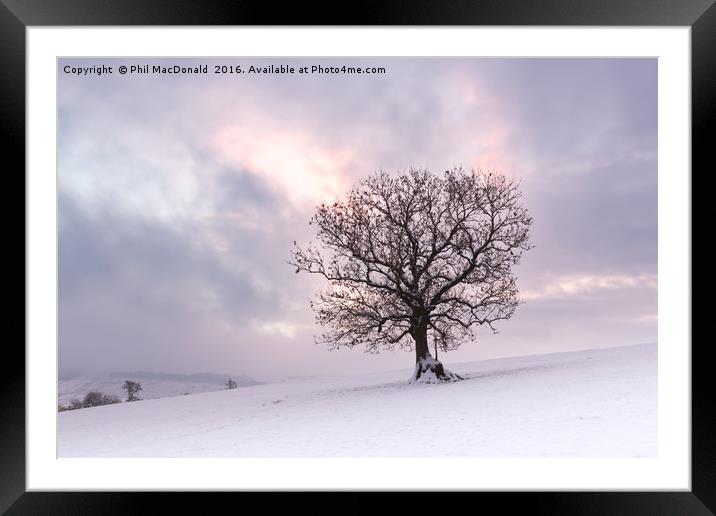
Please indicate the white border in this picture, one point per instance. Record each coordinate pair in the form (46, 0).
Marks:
(671, 470)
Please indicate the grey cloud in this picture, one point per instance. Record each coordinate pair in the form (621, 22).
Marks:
(597, 222)
(130, 286)
(582, 106)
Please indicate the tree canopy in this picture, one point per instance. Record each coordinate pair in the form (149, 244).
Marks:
(416, 257)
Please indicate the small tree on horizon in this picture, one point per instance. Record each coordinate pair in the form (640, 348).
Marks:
(132, 388)
(231, 384)
(417, 258)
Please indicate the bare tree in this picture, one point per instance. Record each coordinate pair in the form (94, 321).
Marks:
(132, 389)
(417, 258)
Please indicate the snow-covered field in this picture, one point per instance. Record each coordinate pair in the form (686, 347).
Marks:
(596, 403)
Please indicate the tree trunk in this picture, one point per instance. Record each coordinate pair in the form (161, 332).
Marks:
(428, 369)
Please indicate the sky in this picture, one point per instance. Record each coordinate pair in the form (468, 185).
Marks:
(180, 197)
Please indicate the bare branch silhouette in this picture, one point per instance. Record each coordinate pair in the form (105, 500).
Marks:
(417, 258)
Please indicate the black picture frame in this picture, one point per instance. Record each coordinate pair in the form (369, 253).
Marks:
(17, 15)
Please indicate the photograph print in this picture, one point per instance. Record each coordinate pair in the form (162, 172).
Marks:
(357, 257)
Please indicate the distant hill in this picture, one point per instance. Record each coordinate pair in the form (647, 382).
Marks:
(185, 378)
(154, 385)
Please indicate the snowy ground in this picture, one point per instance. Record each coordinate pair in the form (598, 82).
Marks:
(597, 403)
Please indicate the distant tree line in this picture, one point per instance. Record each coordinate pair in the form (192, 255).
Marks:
(96, 398)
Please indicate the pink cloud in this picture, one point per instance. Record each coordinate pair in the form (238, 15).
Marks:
(292, 163)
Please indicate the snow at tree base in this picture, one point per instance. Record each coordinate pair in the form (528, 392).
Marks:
(430, 370)
(595, 403)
